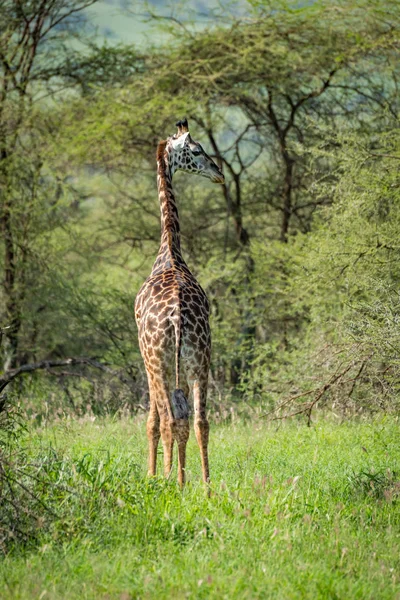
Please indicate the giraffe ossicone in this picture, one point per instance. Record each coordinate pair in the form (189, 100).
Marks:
(172, 313)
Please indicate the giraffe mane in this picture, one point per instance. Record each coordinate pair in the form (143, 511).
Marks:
(160, 152)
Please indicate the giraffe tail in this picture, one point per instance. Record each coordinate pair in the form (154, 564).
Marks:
(180, 405)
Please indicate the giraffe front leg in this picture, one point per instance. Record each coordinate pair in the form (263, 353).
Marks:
(201, 425)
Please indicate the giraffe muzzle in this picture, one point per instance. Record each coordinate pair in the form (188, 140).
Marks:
(218, 177)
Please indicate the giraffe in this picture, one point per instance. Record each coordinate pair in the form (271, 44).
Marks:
(171, 311)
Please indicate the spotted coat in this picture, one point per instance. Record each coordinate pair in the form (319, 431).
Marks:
(172, 315)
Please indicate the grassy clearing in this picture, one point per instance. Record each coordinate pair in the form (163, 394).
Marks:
(294, 513)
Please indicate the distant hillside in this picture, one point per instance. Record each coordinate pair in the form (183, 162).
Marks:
(116, 21)
(112, 21)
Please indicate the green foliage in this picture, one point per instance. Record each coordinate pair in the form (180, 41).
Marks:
(294, 512)
(298, 252)
(339, 287)
(353, 258)
(22, 485)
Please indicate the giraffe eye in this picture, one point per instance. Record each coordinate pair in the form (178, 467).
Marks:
(196, 152)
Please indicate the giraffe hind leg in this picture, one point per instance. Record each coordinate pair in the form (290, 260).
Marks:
(166, 420)
(181, 434)
(167, 439)
(201, 425)
(153, 434)
(174, 425)
(180, 408)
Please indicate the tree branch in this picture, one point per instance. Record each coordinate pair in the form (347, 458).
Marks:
(313, 94)
(12, 374)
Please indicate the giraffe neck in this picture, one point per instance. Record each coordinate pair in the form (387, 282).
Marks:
(169, 253)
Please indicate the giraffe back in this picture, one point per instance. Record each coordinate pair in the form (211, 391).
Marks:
(165, 297)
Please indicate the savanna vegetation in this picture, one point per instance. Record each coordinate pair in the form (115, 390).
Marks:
(295, 512)
(298, 253)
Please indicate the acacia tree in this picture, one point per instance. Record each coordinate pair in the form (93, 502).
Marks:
(345, 274)
(38, 66)
(31, 35)
(258, 88)
(265, 85)
(287, 70)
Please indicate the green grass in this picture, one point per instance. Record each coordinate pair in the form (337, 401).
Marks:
(294, 513)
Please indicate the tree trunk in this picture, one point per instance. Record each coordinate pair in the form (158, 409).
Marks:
(287, 195)
(13, 316)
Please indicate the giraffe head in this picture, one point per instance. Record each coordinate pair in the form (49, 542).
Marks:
(188, 155)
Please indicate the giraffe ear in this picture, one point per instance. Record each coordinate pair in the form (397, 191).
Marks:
(182, 126)
(180, 141)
